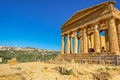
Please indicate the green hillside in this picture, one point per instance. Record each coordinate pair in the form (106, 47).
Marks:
(27, 56)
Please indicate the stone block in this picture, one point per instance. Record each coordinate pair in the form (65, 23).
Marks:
(13, 61)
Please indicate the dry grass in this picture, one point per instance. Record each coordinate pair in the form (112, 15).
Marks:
(45, 71)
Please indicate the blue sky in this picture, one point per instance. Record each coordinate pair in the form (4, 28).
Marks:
(36, 23)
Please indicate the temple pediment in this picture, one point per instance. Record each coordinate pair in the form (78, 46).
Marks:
(91, 14)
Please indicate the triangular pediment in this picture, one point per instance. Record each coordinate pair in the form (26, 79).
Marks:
(99, 9)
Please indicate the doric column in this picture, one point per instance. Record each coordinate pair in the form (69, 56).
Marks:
(92, 40)
(112, 34)
(96, 38)
(71, 47)
(107, 41)
(63, 45)
(85, 41)
(76, 43)
(69, 44)
(81, 44)
(118, 32)
(89, 42)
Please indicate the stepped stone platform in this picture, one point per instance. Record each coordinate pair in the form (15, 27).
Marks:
(91, 58)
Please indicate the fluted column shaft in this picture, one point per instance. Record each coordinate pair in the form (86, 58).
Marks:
(92, 40)
(76, 43)
(118, 32)
(107, 41)
(69, 44)
(89, 42)
(96, 38)
(85, 41)
(71, 47)
(81, 44)
(112, 33)
(63, 45)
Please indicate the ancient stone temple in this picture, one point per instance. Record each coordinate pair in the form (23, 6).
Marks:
(82, 32)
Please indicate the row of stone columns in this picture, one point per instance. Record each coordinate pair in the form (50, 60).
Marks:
(111, 39)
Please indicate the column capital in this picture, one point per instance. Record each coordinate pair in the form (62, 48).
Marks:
(118, 21)
(70, 32)
(69, 35)
(81, 31)
(110, 18)
(63, 35)
(75, 33)
(85, 26)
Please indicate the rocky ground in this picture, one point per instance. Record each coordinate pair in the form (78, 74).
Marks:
(67, 71)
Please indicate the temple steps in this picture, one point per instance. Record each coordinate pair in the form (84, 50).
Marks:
(90, 58)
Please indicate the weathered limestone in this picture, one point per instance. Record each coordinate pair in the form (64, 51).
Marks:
(85, 41)
(81, 44)
(71, 48)
(92, 40)
(100, 42)
(13, 61)
(96, 38)
(118, 32)
(112, 33)
(63, 45)
(103, 43)
(76, 43)
(68, 44)
(89, 42)
(104, 17)
(107, 41)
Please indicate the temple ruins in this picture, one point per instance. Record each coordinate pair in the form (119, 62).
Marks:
(82, 32)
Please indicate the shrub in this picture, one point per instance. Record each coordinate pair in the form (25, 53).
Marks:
(64, 71)
(107, 68)
(100, 69)
(18, 68)
(67, 72)
(114, 68)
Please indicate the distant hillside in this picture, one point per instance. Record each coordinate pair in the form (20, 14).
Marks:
(26, 54)
(4, 48)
